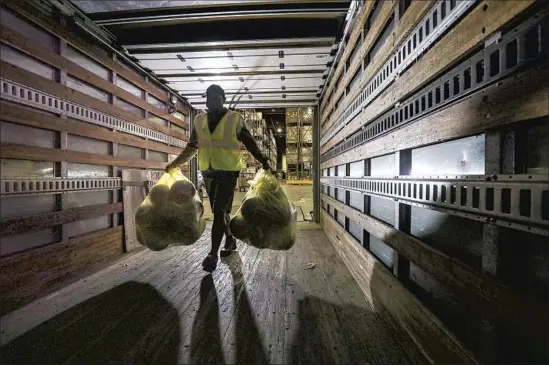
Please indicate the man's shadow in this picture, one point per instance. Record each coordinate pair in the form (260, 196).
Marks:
(130, 323)
(207, 342)
(249, 348)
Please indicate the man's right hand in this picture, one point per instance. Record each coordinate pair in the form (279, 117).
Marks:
(267, 167)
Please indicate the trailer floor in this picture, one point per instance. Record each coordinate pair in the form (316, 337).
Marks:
(258, 307)
(300, 196)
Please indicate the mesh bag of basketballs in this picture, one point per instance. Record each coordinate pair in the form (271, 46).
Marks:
(266, 219)
(171, 214)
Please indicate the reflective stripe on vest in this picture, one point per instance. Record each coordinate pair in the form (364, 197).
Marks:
(221, 149)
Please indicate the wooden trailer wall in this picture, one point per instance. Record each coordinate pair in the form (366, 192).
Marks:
(72, 117)
(434, 147)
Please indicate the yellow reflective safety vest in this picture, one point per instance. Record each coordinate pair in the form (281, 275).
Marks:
(221, 149)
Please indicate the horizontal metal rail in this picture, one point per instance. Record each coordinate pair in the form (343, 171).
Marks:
(32, 186)
(442, 16)
(516, 201)
(495, 62)
(25, 95)
(17, 186)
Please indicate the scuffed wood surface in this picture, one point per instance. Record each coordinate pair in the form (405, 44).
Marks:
(27, 276)
(497, 106)
(389, 295)
(25, 224)
(257, 307)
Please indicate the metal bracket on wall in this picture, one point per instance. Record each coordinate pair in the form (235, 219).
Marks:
(24, 95)
(516, 201)
(477, 73)
(32, 186)
(441, 17)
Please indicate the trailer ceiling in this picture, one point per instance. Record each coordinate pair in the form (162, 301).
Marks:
(263, 53)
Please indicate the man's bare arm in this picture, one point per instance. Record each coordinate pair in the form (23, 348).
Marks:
(188, 152)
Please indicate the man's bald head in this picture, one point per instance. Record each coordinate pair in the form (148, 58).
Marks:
(215, 98)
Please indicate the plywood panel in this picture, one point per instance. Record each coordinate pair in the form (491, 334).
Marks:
(356, 230)
(434, 228)
(24, 135)
(163, 122)
(29, 275)
(158, 156)
(86, 88)
(26, 62)
(382, 251)
(356, 200)
(27, 205)
(20, 225)
(383, 209)
(76, 170)
(79, 228)
(128, 107)
(86, 62)
(129, 87)
(157, 102)
(383, 166)
(81, 199)
(13, 151)
(130, 152)
(26, 168)
(87, 145)
(13, 21)
(12, 244)
(459, 157)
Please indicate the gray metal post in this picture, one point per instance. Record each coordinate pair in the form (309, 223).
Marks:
(316, 164)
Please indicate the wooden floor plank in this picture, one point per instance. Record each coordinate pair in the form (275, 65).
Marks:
(161, 307)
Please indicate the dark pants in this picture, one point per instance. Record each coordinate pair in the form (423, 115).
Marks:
(220, 187)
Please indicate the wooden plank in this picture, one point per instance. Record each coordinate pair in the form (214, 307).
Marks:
(35, 50)
(387, 294)
(476, 290)
(97, 53)
(24, 116)
(387, 7)
(461, 39)
(412, 17)
(497, 106)
(21, 225)
(29, 275)
(329, 303)
(14, 73)
(23, 152)
(356, 34)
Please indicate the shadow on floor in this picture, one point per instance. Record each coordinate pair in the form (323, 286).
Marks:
(333, 334)
(206, 342)
(131, 323)
(249, 348)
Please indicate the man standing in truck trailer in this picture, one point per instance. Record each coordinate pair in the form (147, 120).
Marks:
(216, 136)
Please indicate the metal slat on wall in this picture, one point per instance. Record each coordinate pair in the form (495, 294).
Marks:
(514, 201)
(30, 186)
(22, 94)
(422, 38)
(485, 68)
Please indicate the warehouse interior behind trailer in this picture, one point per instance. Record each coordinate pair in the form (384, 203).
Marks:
(412, 136)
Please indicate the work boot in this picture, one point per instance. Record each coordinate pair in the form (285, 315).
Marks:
(210, 263)
(229, 247)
